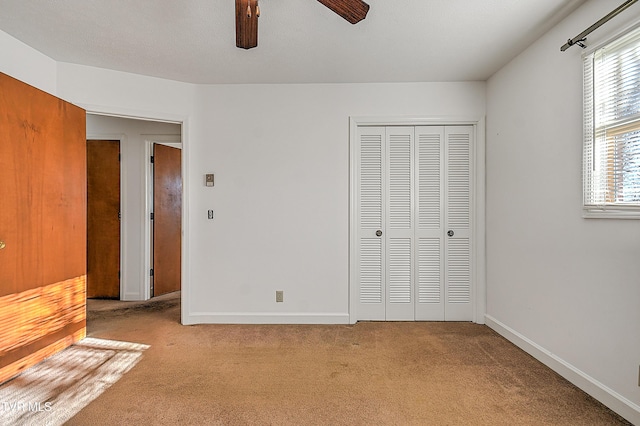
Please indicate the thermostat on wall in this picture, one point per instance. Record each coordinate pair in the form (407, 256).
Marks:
(209, 179)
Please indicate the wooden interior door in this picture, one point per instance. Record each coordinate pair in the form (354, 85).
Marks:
(167, 219)
(103, 219)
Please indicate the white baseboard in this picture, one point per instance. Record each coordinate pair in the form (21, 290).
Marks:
(602, 393)
(263, 318)
(132, 297)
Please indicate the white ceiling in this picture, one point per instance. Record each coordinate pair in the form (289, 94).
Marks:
(300, 41)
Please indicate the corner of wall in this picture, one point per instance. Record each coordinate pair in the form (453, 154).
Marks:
(26, 64)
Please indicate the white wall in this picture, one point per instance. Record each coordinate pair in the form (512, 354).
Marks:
(280, 154)
(133, 136)
(565, 288)
(27, 64)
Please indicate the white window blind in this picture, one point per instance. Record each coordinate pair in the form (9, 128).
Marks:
(612, 129)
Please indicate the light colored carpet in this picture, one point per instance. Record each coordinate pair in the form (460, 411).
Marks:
(422, 373)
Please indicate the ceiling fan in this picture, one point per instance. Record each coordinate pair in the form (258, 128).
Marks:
(248, 12)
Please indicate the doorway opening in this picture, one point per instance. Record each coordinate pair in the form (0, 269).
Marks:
(136, 138)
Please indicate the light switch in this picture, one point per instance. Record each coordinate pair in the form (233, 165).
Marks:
(208, 179)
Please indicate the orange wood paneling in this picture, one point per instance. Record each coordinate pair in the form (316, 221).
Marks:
(103, 223)
(42, 225)
(167, 223)
(43, 190)
(36, 321)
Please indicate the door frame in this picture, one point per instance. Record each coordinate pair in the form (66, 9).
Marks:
(185, 122)
(149, 141)
(478, 261)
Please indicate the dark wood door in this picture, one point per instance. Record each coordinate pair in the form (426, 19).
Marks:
(167, 220)
(103, 219)
(42, 225)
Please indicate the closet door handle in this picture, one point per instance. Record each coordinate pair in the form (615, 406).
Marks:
(450, 233)
(379, 233)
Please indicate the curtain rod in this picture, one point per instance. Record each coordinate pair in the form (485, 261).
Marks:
(580, 38)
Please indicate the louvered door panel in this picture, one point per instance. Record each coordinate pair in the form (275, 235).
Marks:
(458, 278)
(370, 152)
(429, 142)
(429, 304)
(399, 270)
(458, 178)
(371, 276)
(371, 181)
(400, 180)
(429, 271)
(458, 201)
(399, 228)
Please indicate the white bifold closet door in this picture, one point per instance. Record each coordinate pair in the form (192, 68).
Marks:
(413, 214)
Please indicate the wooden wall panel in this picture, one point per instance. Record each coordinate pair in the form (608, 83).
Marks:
(43, 191)
(37, 323)
(42, 224)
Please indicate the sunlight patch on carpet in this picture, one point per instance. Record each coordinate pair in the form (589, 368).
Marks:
(53, 391)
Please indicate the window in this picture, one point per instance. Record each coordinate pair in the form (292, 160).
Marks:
(612, 129)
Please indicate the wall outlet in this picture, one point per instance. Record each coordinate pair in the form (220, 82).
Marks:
(279, 296)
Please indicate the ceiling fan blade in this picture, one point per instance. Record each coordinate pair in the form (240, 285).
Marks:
(353, 11)
(246, 24)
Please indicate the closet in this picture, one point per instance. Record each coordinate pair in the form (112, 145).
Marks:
(412, 210)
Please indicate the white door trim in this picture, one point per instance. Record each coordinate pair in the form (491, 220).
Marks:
(479, 252)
